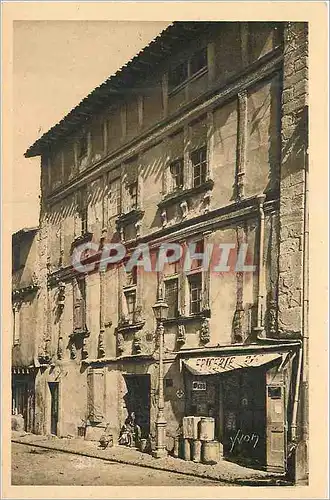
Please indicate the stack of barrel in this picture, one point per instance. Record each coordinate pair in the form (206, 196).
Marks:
(198, 440)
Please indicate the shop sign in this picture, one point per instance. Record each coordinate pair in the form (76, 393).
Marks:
(218, 364)
(198, 386)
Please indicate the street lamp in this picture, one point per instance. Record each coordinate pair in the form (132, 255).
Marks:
(160, 311)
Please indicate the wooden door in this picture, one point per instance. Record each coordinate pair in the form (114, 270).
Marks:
(53, 387)
(276, 427)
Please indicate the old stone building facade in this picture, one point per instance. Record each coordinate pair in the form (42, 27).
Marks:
(25, 304)
(201, 139)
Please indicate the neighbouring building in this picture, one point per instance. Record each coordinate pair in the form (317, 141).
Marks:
(199, 139)
(25, 329)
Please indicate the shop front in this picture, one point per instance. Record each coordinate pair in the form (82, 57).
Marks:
(249, 394)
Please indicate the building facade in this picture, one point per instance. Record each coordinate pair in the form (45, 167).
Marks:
(25, 303)
(200, 141)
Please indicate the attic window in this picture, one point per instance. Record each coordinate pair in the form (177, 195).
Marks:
(82, 146)
(188, 69)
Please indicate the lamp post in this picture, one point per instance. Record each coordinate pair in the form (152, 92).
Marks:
(160, 311)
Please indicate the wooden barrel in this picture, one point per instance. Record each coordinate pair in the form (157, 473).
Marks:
(210, 452)
(190, 427)
(206, 429)
(196, 450)
(176, 448)
(186, 449)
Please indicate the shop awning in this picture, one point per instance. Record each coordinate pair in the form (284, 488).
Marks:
(211, 365)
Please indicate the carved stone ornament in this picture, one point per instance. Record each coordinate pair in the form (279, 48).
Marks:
(205, 331)
(73, 350)
(271, 318)
(137, 347)
(163, 218)
(238, 325)
(101, 346)
(181, 334)
(207, 201)
(138, 229)
(120, 343)
(184, 209)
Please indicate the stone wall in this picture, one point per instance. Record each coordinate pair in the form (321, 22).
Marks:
(292, 183)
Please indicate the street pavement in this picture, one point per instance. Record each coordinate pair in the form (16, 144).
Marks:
(39, 466)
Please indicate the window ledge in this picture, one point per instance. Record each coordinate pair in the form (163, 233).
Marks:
(186, 319)
(83, 238)
(83, 332)
(182, 85)
(129, 217)
(177, 196)
(130, 327)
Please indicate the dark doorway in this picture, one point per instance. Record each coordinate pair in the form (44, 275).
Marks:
(23, 394)
(244, 407)
(53, 387)
(137, 400)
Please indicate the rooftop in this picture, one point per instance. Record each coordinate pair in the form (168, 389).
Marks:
(135, 69)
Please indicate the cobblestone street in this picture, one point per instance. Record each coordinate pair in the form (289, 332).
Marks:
(36, 466)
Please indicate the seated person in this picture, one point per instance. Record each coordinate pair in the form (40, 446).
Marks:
(130, 433)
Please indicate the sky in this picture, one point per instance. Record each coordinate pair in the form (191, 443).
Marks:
(55, 65)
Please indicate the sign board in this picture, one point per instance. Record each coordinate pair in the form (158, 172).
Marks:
(198, 386)
(219, 364)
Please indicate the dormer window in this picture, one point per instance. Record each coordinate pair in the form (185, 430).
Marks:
(181, 73)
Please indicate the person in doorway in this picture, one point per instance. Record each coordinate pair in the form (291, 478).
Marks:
(130, 434)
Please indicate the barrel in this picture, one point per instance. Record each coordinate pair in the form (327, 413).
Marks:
(196, 450)
(210, 452)
(186, 449)
(206, 429)
(176, 448)
(190, 427)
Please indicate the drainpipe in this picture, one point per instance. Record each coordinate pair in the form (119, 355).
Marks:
(261, 272)
(305, 296)
(302, 362)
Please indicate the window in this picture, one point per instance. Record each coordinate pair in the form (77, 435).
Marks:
(82, 147)
(199, 248)
(171, 297)
(114, 197)
(83, 209)
(187, 69)
(133, 193)
(84, 220)
(199, 165)
(131, 304)
(198, 61)
(178, 74)
(195, 293)
(16, 325)
(176, 169)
